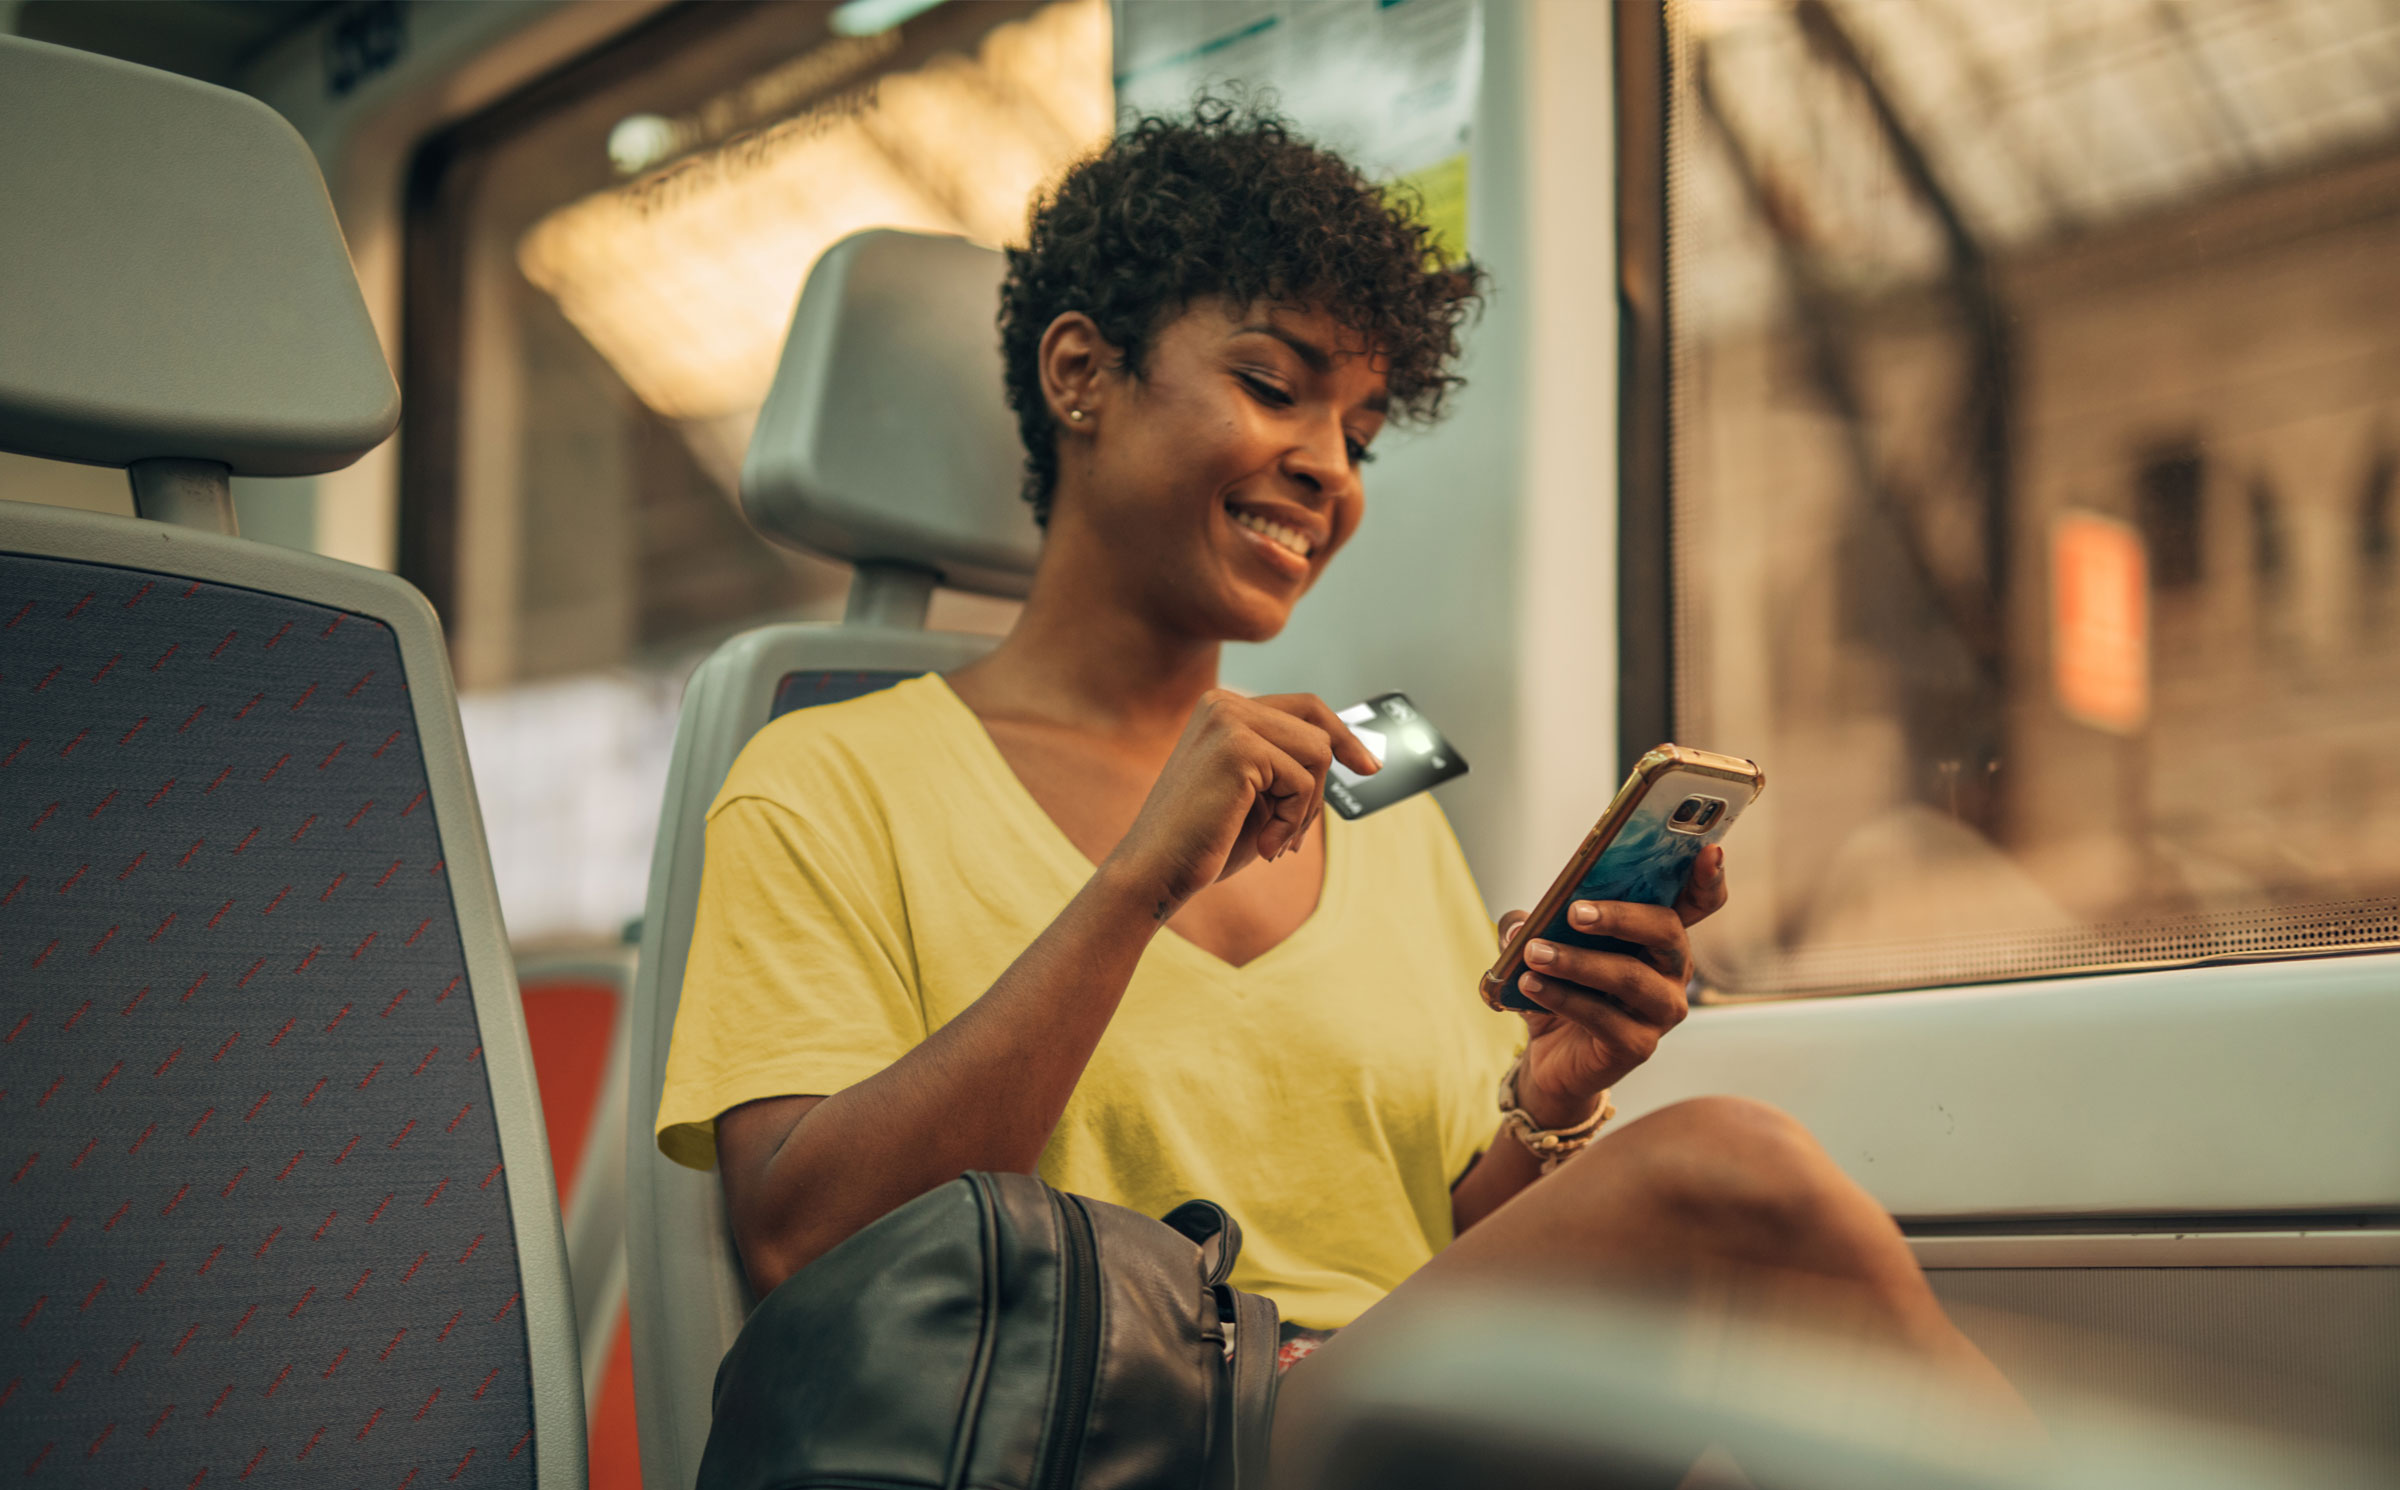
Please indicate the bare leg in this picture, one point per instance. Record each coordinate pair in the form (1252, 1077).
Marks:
(1710, 1201)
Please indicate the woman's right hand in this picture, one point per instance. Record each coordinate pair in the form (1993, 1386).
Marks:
(1244, 783)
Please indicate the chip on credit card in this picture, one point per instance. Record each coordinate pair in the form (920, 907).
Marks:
(1413, 752)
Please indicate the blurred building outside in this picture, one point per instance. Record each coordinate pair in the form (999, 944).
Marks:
(1957, 291)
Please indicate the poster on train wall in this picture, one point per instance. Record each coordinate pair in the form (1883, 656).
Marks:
(1391, 84)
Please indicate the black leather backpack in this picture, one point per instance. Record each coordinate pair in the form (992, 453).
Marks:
(1001, 1335)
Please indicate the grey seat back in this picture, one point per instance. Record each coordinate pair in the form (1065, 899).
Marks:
(279, 1205)
(885, 440)
(177, 300)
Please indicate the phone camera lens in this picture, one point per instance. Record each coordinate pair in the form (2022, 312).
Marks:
(1694, 814)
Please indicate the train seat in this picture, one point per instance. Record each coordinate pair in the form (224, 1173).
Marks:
(578, 1010)
(884, 441)
(279, 1206)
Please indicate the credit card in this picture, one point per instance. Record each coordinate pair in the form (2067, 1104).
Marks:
(1413, 752)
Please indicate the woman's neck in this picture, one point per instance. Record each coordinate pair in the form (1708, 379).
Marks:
(1089, 656)
(1077, 659)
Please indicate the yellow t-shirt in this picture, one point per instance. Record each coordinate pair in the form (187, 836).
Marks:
(873, 866)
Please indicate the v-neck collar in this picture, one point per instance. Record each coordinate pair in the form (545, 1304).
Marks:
(1036, 825)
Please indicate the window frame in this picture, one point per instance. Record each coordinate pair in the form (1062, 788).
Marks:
(1645, 385)
(444, 170)
(438, 186)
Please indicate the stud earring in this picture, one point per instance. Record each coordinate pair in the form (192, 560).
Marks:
(1076, 415)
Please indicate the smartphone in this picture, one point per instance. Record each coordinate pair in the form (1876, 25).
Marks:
(1413, 753)
(1677, 802)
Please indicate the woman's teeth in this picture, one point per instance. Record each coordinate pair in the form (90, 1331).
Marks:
(1284, 537)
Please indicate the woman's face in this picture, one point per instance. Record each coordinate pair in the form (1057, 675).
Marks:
(1223, 479)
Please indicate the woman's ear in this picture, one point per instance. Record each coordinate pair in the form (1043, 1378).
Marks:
(1075, 361)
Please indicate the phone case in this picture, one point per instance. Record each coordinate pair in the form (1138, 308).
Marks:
(1635, 852)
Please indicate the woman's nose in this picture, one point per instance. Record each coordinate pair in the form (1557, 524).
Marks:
(1320, 461)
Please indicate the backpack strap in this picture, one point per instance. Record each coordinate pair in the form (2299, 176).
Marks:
(1251, 1321)
(1214, 1229)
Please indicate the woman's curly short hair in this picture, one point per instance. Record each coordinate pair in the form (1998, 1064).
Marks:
(1227, 203)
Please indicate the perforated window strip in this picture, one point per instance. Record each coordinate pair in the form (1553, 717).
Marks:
(253, 1226)
(2165, 941)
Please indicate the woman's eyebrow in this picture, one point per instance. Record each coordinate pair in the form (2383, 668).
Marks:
(1317, 358)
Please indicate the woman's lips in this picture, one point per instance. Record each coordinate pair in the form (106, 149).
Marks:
(1290, 538)
(1274, 548)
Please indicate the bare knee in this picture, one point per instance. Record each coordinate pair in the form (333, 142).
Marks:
(1729, 1138)
(1727, 1120)
(1745, 1175)
(1738, 1189)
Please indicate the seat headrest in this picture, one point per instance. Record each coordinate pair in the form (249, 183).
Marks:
(172, 280)
(886, 437)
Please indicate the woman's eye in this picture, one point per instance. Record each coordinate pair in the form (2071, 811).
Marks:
(1359, 454)
(1266, 393)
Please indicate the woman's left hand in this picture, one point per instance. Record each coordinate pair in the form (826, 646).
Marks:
(1605, 1012)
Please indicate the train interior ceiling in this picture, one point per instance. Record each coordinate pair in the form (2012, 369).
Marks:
(1985, 417)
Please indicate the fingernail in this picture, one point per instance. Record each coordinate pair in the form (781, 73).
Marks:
(1540, 954)
(1530, 983)
(1585, 913)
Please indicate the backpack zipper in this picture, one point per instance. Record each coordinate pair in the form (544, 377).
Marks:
(1079, 1352)
(979, 1375)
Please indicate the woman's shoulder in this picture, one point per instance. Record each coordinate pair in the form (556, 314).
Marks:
(842, 748)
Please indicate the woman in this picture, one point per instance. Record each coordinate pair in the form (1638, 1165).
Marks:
(1076, 911)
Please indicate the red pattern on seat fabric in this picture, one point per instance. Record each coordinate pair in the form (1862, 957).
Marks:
(219, 1099)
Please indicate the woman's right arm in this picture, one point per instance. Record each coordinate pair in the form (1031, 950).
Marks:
(984, 1091)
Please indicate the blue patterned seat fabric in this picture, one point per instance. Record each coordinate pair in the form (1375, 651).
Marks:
(809, 689)
(252, 1223)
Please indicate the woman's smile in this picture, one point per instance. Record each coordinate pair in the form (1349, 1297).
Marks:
(1281, 542)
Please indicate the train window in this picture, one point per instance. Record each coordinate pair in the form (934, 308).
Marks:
(2025, 480)
(600, 271)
